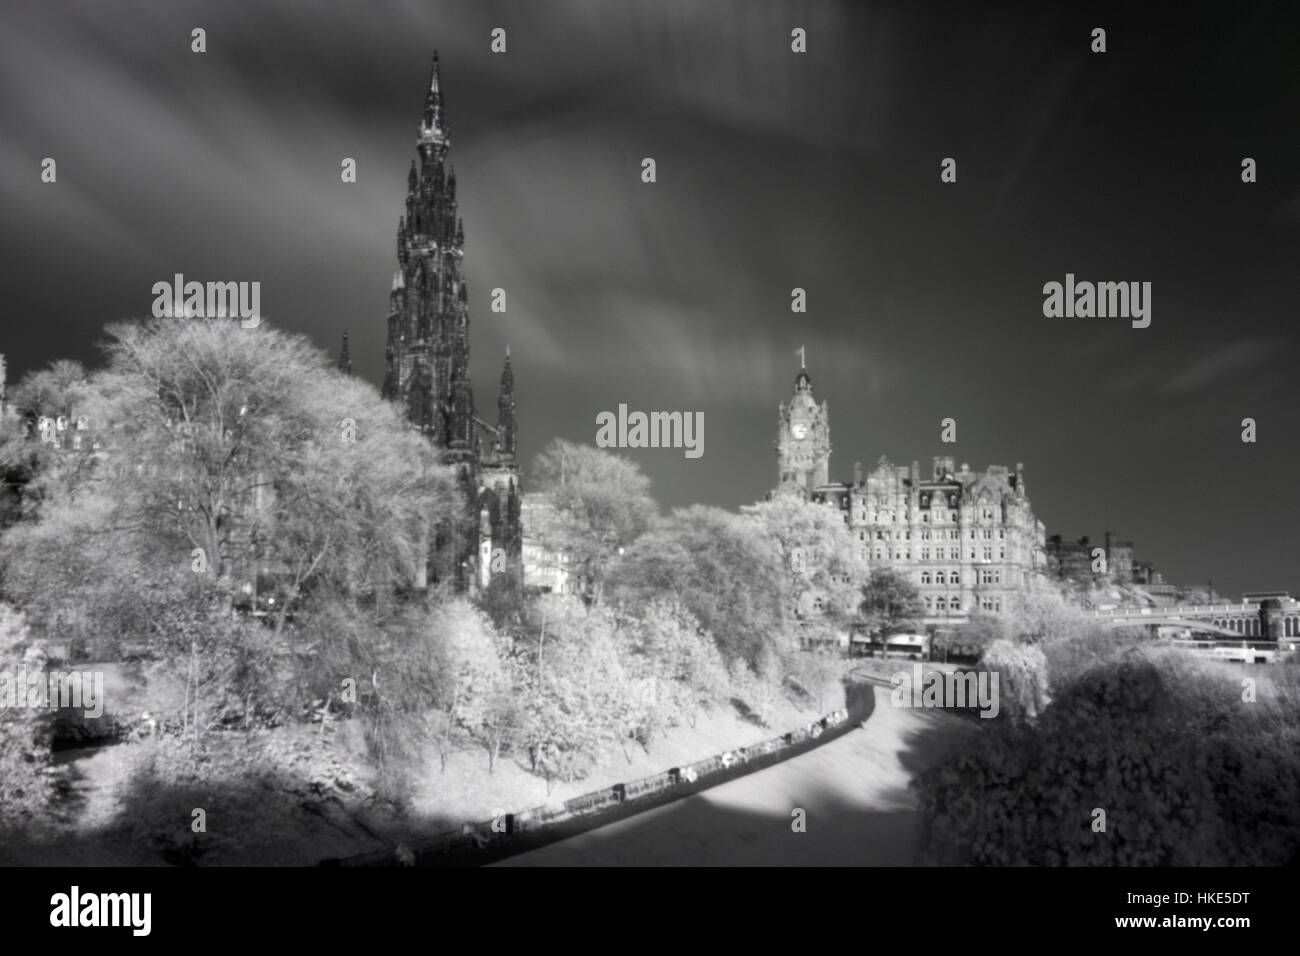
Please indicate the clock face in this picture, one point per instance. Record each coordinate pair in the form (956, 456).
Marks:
(799, 430)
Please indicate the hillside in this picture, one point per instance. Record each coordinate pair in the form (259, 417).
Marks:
(292, 795)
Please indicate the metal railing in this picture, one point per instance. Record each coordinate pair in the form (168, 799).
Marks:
(1191, 610)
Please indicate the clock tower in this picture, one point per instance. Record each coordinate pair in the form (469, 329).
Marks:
(803, 440)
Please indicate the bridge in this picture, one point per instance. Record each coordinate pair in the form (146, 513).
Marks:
(1227, 620)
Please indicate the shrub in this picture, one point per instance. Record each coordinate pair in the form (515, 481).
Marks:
(1022, 678)
(1185, 770)
(25, 733)
(1070, 657)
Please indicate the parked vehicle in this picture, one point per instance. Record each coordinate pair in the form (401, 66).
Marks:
(911, 646)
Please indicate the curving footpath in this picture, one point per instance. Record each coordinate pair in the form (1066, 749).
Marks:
(485, 842)
(853, 791)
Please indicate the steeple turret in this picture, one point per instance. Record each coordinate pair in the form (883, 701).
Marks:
(506, 427)
(345, 357)
(803, 439)
(434, 126)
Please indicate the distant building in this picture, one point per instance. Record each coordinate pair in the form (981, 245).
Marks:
(10, 421)
(426, 367)
(1259, 597)
(968, 539)
(1068, 559)
(1081, 561)
(1119, 557)
(545, 565)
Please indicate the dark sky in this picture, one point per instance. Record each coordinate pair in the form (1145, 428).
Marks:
(775, 170)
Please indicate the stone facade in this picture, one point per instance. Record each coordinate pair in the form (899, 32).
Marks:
(1078, 560)
(546, 566)
(427, 367)
(968, 539)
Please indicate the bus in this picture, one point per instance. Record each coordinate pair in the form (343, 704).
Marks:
(909, 646)
(914, 647)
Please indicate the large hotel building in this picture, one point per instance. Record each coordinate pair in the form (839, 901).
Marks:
(968, 539)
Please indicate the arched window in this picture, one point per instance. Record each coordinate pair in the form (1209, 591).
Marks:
(925, 577)
(939, 578)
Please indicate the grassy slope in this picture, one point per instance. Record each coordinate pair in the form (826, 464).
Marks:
(289, 796)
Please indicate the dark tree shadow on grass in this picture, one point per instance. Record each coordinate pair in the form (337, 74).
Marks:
(266, 818)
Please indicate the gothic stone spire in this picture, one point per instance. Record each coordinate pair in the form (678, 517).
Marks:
(345, 357)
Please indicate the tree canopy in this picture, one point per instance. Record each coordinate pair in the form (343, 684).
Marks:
(721, 568)
(891, 603)
(602, 502)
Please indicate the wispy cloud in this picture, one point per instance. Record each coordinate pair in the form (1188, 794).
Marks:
(1224, 361)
